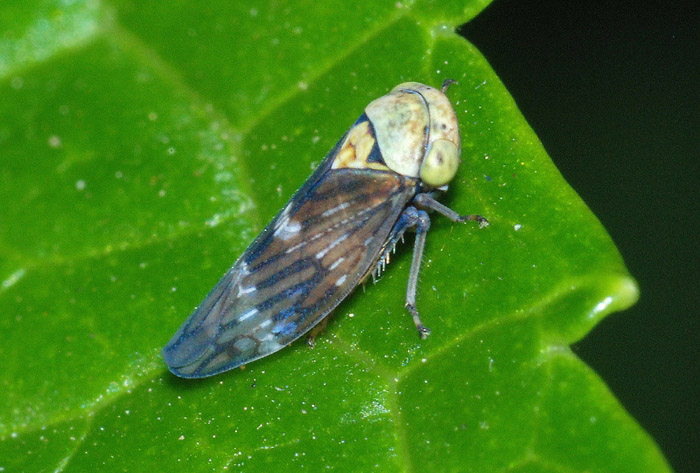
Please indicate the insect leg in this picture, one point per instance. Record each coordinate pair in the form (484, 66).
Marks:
(421, 221)
(316, 331)
(427, 201)
(407, 219)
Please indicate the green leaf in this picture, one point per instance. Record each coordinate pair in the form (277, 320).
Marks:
(143, 146)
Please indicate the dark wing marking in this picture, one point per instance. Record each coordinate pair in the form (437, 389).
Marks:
(305, 262)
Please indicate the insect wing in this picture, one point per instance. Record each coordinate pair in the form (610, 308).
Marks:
(307, 260)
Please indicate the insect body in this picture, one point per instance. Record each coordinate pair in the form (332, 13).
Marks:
(341, 226)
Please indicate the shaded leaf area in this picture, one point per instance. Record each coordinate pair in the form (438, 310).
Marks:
(141, 153)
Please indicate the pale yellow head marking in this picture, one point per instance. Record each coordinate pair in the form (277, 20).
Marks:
(355, 150)
(417, 132)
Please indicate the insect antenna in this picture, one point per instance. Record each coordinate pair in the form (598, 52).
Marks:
(446, 84)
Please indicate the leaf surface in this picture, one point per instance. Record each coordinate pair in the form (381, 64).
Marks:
(143, 146)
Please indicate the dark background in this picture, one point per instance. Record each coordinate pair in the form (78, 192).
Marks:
(612, 89)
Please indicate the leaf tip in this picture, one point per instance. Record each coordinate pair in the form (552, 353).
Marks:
(627, 293)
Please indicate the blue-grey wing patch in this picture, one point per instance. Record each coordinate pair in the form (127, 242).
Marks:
(307, 260)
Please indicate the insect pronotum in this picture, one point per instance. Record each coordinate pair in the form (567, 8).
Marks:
(378, 181)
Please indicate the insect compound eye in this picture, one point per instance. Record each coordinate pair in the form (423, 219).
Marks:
(440, 163)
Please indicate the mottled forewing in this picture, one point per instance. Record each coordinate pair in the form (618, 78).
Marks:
(307, 260)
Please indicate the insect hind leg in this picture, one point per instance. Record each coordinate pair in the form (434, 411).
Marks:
(411, 217)
(316, 331)
(407, 219)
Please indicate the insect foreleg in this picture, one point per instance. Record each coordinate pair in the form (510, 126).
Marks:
(413, 217)
(427, 201)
